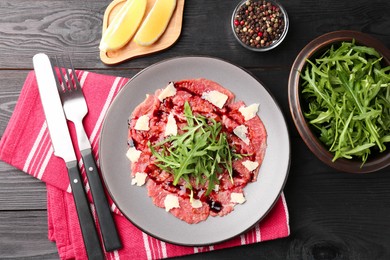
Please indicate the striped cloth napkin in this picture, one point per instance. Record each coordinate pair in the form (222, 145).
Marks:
(26, 145)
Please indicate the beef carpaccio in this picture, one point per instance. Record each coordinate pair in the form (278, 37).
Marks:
(162, 115)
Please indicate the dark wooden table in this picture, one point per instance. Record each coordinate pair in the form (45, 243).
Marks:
(333, 215)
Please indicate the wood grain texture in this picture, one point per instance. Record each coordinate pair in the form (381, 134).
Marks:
(19, 191)
(23, 235)
(333, 215)
(75, 26)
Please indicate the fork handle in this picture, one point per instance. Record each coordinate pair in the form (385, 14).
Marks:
(108, 229)
(87, 223)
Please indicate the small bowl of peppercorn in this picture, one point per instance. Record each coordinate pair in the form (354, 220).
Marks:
(259, 25)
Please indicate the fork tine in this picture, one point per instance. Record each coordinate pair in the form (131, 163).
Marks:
(63, 84)
(54, 64)
(71, 85)
(76, 80)
(69, 80)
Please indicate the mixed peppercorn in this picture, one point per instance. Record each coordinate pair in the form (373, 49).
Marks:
(259, 24)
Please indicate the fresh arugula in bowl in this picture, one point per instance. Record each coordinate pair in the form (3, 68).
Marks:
(347, 91)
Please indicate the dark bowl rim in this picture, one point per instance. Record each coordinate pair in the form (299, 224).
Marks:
(319, 150)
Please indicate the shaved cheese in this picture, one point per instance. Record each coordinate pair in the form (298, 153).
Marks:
(139, 179)
(236, 197)
(171, 127)
(216, 98)
(171, 202)
(169, 91)
(142, 123)
(250, 165)
(241, 131)
(133, 154)
(249, 112)
(196, 204)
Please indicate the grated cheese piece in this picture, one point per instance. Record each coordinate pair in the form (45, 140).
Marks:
(139, 179)
(142, 123)
(216, 98)
(241, 131)
(133, 154)
(250, 165)
(171, 127)
(249, 112)
(196, 204)
(170, 202)
(169, 91)
(236, 197)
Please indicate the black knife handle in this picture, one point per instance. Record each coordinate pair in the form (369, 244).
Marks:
(87, 223)
(108, 229)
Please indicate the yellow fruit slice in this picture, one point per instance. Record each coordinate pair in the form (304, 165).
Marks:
(123, 26)
(155, 22)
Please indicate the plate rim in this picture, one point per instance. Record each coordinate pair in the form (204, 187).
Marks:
(261, 85)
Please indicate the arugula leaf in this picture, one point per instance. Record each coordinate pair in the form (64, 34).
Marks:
(201, 153)
(348, 96)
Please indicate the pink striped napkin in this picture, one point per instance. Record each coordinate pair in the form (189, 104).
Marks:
(26, 145)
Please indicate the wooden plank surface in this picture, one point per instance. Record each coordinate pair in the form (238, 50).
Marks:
(24, 235)
(28, 27)
(333, 215)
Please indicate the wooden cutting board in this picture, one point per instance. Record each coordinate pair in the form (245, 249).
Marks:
(132, 50)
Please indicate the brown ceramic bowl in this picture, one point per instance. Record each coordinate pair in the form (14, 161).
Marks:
(312, 50)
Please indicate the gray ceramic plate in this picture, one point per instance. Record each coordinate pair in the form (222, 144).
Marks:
(134, 202)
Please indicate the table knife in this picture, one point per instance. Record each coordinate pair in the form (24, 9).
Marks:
(62, 145)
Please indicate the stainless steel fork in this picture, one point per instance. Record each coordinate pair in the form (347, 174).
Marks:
(75, 108)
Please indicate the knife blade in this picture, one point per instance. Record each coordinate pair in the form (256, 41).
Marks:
(63, 147)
